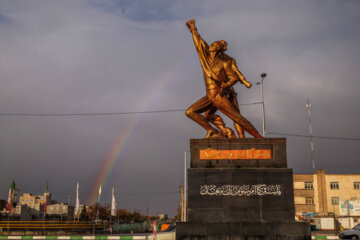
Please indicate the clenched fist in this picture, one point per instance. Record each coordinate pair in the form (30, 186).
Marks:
(191, 24)
(248, 84)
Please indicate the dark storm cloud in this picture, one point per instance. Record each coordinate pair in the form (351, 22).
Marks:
(142, 11)
(4, 19)
(120, 56)
(156, 10)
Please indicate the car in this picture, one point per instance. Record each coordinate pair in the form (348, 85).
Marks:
(353, 233)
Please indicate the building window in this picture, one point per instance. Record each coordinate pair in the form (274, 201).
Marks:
(353, 198)
(309, 185)
(356, 185)
(309, 200)
(335, 200)
(334, 185)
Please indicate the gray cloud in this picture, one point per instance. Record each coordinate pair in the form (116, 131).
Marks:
(83, 57)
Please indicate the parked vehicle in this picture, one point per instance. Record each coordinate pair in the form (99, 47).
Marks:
(353, 233)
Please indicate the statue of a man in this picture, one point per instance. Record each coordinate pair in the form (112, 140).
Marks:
(220, 74)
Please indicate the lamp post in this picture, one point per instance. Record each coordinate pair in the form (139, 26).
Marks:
(185, 188)
(263, 75)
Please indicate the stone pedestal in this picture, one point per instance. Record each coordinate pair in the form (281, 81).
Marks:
(243, 230)
(240, 189)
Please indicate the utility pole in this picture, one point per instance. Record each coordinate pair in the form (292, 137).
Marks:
(308, 107)
(182, 203)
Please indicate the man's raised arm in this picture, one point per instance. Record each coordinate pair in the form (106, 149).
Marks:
(200, 44)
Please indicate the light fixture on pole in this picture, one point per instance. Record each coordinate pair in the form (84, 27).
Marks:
(185, 188)
(263, 75)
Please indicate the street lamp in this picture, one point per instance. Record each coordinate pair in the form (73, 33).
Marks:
(263, 75)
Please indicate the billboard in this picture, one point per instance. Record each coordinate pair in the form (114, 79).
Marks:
(349, 207)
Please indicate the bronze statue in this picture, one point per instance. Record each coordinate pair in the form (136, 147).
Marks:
(220, 74)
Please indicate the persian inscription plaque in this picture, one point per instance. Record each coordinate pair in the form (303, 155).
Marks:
(207, 154)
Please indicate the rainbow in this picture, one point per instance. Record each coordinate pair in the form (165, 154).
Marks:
(119, 148)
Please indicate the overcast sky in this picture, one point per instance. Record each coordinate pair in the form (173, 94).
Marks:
(90, 56)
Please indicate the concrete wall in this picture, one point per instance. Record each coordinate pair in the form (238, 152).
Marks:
(166, 236)
(325, 223)
(348, 222)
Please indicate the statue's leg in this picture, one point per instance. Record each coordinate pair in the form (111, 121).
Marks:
(194, 112)
(219, 123)
(226, 107)
(238, 127)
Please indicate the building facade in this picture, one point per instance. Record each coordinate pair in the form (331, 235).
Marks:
(320, 193)
(34, 202)
(30, 200)
(58, 209)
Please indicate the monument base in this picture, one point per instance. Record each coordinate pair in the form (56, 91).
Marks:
(240, 189)
(242, 231)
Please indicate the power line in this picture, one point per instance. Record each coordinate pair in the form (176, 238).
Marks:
(124, 194)
(101, 113)
(321, 137)
(87, 114)
(159, 111)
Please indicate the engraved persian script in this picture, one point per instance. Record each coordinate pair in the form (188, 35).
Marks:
(241, 190)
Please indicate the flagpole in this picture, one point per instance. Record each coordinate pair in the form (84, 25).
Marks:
(98, 210)
(77, 203)
(9, 206)
(45, 196)
(112, 195)
(10, 199)
(113, 204)
(8, 220)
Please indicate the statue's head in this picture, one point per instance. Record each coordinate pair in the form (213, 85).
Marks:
(218, 46)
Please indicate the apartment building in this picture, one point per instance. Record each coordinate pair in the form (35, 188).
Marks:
(35, 202)
(319, 194)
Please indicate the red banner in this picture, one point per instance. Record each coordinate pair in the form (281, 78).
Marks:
(208, 154)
